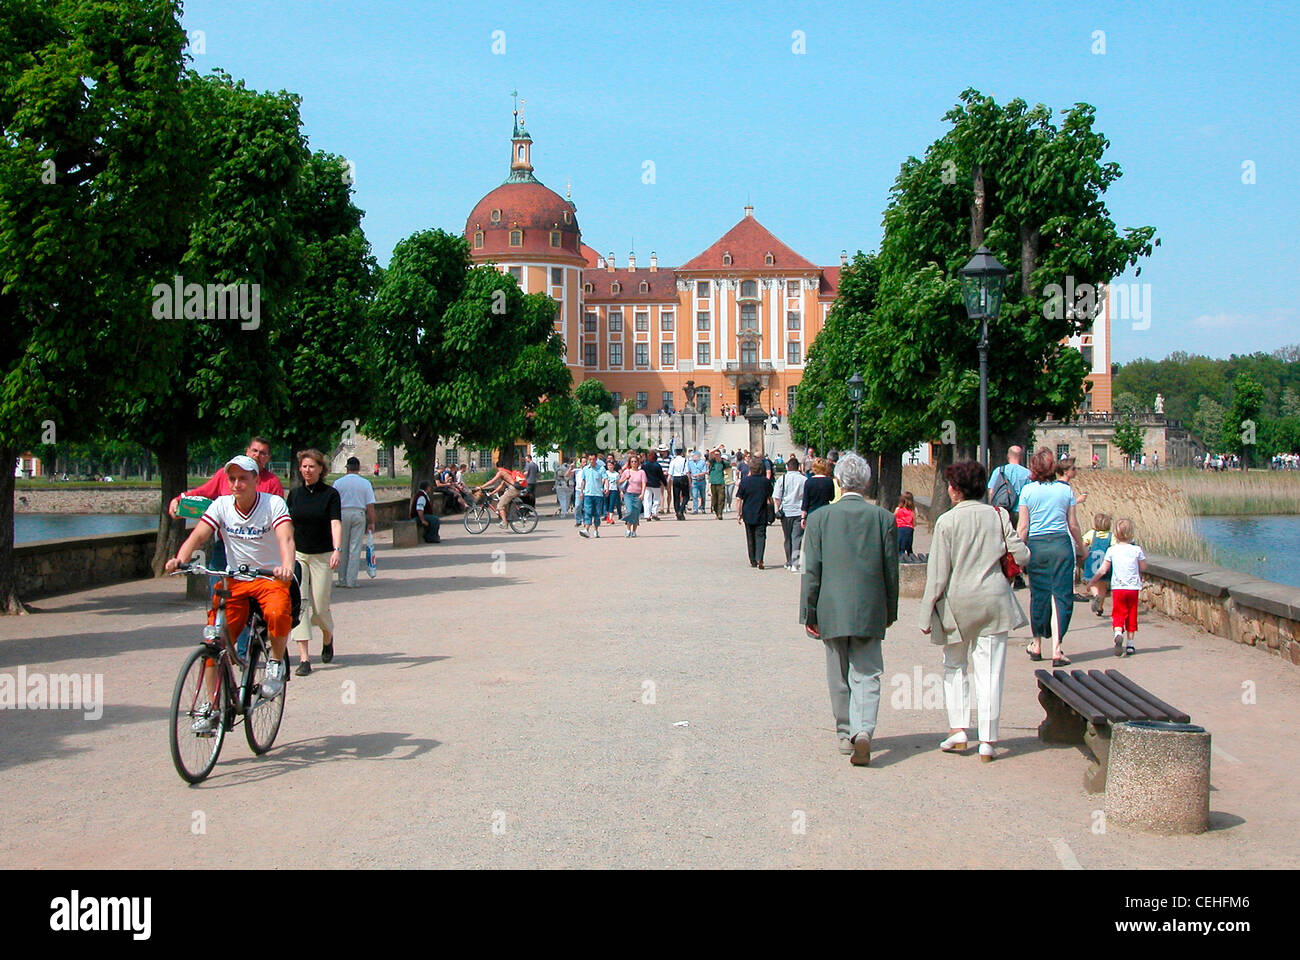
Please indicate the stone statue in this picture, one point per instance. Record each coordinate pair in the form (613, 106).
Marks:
(689, 390)
(1160, 403)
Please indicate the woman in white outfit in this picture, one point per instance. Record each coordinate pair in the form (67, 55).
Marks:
(968, 604)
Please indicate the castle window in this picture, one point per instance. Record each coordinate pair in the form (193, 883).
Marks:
(615, 287)
(557, 276)
(667, 355)
(701, 288)
(555, 238)
(568, 217)
(478, 239)
(516, 238)
(587, 288)
(748, 353)
(645, 287)
(665, 321)
(702, 353)
(792, 288)
(496, 216)
(748, 316)
(518, 274)
(702, 320)
(589, 354)
(749, 288)
(643, 355)
(792, 320)
(726, 259)
(769, 260)
(792, 354)
(642, 321)
(616, 321)
(616, 354)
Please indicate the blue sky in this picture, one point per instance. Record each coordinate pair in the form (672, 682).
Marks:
(716, 98)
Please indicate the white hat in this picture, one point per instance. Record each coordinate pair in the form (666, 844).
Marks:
(244, 463)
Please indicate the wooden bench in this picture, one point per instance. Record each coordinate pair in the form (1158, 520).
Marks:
(1081, 706)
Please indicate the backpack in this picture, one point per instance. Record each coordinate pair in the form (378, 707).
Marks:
(1003, 494)
(1096, 553)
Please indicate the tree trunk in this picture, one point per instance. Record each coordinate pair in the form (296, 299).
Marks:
(392, 465)
(873, 461)
(978, 209)
(939, 502)
(891, 479)
(9, 601)
(420, 454)
(173, 464)
(1029, 240)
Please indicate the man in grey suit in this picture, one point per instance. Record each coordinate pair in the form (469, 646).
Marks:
(849, 596)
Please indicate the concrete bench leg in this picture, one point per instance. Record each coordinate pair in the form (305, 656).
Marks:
(1061, 724)
(1097, 741)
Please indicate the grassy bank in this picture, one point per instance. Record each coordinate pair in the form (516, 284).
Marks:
(1234, 493)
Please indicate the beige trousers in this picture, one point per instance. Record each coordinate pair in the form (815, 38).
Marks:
(317, 582)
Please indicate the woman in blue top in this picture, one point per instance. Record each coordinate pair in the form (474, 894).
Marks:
(1049, 528)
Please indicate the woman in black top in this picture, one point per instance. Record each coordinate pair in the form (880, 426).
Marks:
(317, 533)
(819, 490)
(754, 492)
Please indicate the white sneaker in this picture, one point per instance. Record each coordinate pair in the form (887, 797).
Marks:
(206, 725)
(273, 680)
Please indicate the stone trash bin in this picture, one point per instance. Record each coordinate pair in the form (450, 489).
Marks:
(1159, 776)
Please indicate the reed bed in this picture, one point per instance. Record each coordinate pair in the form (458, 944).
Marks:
(1238, 493)
(1162, 513)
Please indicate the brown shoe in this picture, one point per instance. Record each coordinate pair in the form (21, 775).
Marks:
(861, 751)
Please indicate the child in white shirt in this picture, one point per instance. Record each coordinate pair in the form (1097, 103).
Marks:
(1125, 562)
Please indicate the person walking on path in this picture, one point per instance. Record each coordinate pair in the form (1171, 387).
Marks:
(1125, 562)
(591, 492)
(428, 522)
(698, 469)
(564, 487)
(613, 501)
(848, 598)
(717, 483)
(655, 481)
(1097, 541)
(316, 512)
(819, 490)
(754, 492)
(633, 481)
(357, 506)
(787, 497)
(969, 606)
(1049, 528)
(218, 485)
(681, 481)
(532, 473)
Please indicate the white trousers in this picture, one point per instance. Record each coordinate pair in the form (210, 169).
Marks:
(984, 665)
(652, 500)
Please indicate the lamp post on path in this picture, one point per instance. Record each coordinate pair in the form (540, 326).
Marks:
(981, 291)
(855, 394)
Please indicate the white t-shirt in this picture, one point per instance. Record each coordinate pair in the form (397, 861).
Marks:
(1124, 572)
(677, 467)
(789, 490)
(354, 491)
(250, 537)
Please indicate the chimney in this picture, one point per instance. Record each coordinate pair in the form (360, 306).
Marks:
(600, 262)
(749, 210)
(844, 258)
(631, 262)
(609, 262)
(654, 262)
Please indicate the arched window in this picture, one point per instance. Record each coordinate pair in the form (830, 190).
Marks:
(587, 288)
(478, 239)
(496, 216)
(726, 259)
(615, 287)
(555, 238)
(516, 238)
(769, 259)
(748, 288)
(645, 287)
(568, 217)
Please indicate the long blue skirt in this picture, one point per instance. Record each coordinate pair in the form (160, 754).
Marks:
(1051, 581)
(632, 508)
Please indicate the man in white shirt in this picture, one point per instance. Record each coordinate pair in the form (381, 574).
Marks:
(787, 497)
(679, 477)
(357, 500)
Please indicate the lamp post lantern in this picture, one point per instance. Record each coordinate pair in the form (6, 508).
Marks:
(981, 291)
(855, 394)
(821, 423)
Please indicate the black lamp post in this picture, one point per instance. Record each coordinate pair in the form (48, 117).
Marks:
(981, 290)
(855, 394)
(821, 423)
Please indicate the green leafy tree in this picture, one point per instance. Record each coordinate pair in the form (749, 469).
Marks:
(92, 143)
(1127, 404)
(1242, 428)
(460, 352)
(323, 340)
(1128, 437)
(1207, 423)
(1290, 404)
(1031, 190)
(248, 153)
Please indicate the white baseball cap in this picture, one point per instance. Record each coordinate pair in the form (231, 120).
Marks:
(243, 463)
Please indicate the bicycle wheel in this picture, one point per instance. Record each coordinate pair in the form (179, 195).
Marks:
(523, 518)
(195, 754)
(261, 717)
(478, 518)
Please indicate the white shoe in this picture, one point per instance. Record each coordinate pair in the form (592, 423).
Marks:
(956, 743)
(273, 680)
(986, 752)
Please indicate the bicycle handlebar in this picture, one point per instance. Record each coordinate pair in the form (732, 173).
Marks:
(243, 570)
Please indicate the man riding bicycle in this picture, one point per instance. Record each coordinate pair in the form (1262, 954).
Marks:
(509, 482)
(258, 533)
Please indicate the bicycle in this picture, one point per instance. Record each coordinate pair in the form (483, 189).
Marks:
(521, 517)
(194, 753)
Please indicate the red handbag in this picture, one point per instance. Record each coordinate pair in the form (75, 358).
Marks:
(1010, 568)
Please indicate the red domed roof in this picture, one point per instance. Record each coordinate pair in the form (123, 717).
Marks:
(528, 206)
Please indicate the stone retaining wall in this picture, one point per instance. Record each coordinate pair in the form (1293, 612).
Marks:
(1228, 604)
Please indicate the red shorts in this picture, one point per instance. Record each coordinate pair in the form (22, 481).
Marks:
(271, 595)
(1124, 612)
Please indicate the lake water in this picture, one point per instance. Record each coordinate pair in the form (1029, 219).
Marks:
(30, 527)
(1264, 547)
